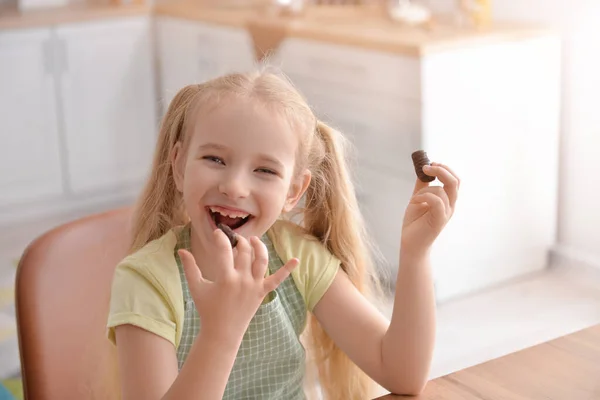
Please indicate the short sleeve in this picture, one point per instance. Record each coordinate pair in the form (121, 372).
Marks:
(146, 291)
(136, 301)
(318, 266)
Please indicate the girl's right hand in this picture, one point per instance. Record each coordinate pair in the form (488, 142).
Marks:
(227, 305)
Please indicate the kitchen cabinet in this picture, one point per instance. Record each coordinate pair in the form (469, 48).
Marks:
(194, 52)
(106, 84)
(84, 99)
(30, 152)
(79, 116)
(489, 111)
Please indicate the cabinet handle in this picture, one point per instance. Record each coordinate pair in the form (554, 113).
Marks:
(63, 56)
(48, 56)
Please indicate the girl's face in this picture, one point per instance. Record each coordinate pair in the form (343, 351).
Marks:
(238, 169)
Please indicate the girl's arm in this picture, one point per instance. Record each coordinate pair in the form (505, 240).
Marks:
(396, 355)
(407, 347)
(148, 365)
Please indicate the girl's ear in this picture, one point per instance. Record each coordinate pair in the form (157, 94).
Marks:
(298, 187)
(177, 165)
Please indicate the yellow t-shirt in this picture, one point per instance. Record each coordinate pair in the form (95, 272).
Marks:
(146, 288)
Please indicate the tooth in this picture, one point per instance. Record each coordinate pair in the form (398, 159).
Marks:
(227, 214)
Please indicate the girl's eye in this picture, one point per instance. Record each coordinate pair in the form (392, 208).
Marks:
(267, 171)
(214, 159)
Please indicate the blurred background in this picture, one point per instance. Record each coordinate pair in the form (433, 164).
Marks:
(505, 92)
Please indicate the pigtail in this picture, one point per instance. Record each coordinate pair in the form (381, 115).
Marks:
(160, 206)
(332, 215)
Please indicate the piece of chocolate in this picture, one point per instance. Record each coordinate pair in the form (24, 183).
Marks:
(420, 159)
(231, 235)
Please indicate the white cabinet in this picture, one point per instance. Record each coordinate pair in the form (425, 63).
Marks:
(78, 121)
(490, 111)
(193, 52)
(494, 113)
(106, 85)
(30, 152)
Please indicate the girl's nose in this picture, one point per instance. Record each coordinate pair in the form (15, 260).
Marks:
(234, 186)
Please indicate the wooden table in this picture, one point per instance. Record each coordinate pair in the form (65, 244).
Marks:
(567, 368)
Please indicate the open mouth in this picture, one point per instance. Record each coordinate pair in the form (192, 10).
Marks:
(232, 219)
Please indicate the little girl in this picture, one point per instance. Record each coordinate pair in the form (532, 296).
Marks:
(194, 318)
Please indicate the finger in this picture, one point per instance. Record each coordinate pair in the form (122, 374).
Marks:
(435, 204)
(193, 275)
(243, 257)
(449, 170)
(223, 253)
(419, 185)
(441, 193)
(261, 258)
(273, 281)
(449, 181)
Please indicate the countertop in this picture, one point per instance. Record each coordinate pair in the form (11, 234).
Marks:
(360, 26)
(344, 25)
(566, 368)
(12, 18)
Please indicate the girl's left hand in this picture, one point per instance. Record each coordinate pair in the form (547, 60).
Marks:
(429, 210)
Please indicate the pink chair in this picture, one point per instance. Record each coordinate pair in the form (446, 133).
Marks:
(62, 299)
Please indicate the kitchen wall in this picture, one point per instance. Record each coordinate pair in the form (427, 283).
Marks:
(579, 197)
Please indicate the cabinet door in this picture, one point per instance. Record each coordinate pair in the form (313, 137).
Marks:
(30, 152)
(107, 87)
(383, 200)
(184, 57)
(493, 114)
(383, 132)
(193, 52)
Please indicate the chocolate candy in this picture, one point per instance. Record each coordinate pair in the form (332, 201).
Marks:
(231, 235)
(420, 159)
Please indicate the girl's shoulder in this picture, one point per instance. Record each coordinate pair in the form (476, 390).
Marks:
(155, 263)
(289, 233)
(155, 251)
(318, 266)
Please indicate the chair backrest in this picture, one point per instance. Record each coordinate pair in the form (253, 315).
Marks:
(62, 298)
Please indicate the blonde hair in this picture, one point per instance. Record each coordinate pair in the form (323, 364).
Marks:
(330, 214)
